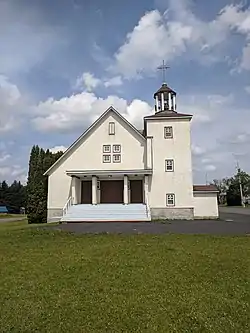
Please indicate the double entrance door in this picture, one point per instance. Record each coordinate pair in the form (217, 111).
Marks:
(112, 191)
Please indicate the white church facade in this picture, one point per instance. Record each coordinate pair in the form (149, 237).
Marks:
(115, 172)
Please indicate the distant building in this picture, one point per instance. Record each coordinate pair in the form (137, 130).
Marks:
(3, 210)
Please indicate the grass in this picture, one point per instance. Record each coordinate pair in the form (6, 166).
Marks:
(51, 281)
(5, 216)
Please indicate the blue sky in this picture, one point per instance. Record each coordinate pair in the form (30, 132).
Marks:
(63, 63)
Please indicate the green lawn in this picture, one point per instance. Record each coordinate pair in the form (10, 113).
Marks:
(51, 281)
(5, 216)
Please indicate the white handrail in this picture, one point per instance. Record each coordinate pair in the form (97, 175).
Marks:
(147, 207)
(68, 204)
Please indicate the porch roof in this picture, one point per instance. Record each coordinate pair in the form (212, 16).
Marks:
(108, 172)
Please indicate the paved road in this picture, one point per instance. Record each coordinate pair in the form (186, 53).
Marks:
(229, 224)
(12, 219)
(235, 210)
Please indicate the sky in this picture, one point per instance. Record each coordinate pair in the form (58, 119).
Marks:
(63, 63)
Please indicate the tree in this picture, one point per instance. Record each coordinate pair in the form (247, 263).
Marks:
(37, 186)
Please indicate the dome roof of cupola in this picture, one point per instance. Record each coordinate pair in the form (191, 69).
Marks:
(164, 89)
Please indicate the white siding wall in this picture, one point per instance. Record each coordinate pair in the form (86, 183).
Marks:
(205, 205)
(178, 148)
(88, 156)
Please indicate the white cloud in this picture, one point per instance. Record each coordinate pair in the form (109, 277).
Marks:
(210, 167)
(26, 38)
(79, 110)
(56, 149)
(4, 157)
(247, 89)
(10, 103)
(115, 81)
(88, 80)
(165, 36)
(245, 61)
(13, 172)
(150, 42)
(197, 150)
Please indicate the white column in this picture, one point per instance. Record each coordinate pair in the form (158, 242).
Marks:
(162, 102)
(149, 152)
(169, 101)
(146, 189)
(73, 190)
(94, 190)
(157, 103)
(174, 102)
(125, 189)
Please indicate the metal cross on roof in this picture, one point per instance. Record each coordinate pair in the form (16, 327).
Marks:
(164, 68)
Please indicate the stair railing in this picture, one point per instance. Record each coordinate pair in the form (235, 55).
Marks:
(147, 207)
(68, 204)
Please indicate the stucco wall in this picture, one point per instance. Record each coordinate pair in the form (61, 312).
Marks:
(178, 148)
(205, 205)
(88, 156)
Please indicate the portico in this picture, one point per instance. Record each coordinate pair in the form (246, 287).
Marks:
(110, 186)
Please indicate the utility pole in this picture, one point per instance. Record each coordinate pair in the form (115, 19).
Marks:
(240, 184)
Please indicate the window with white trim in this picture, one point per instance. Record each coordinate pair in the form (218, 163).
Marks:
(106, 158)
(117, 158)
(107, 148)
(111, 128)
(169, 165)
(116, 148)
(168, 132)
(170, 199)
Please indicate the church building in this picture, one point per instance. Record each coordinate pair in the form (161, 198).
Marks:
(116, 172)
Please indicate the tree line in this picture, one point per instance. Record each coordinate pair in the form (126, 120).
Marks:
(234, 191)
(37, 184)
(13, 196)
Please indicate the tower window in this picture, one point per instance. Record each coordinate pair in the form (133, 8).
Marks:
(116, 148)
(170, 199)
(169, 165)
(107, 148)
(168, 132)
(111, 128)
(117, 158)
(106, 158)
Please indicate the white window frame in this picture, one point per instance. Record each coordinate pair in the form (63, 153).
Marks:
(168, 132)
(117, 161)
(169, 163)
(116, 151)
(108, 151)
(104, 160)
(111, 128)
(170, 197)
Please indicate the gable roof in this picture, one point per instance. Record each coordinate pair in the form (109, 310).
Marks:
(168, 114)
(205, 188)
(90, 128)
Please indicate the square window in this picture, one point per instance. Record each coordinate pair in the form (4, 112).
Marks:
(116, 158)
(169, 165)
(106, 158)
(116, 148)
(111, 128)
(106, 148)
(170, 199)
(168, 132)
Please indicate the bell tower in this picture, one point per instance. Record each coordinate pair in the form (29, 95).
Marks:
(165, 97)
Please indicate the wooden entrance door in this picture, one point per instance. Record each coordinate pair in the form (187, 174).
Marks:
(86, 192)
(136, 194)
(111, 191)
